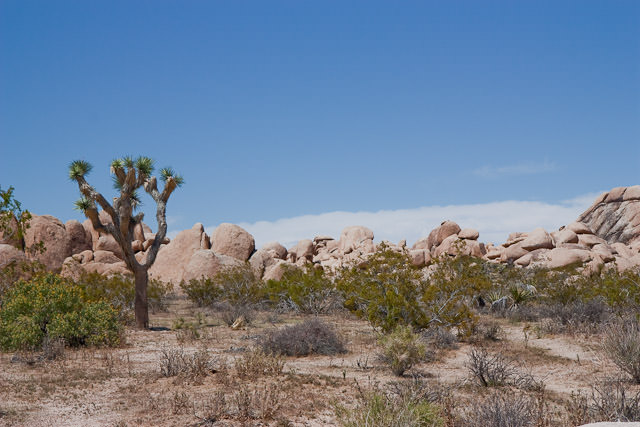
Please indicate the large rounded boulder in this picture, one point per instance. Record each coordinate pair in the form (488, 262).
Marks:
(232, 240)
(52, 233)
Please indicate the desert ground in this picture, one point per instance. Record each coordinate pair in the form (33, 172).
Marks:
(235, 385)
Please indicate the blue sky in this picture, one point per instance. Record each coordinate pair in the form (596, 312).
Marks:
(296, 109)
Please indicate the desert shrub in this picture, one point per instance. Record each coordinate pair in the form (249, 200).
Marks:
(622, 345)
(495, 370)
(379, 409)
(313, 336)
(401, 349)
(440, 337)
(256, 363)
(610, 401)
(490, 369)
(501, 410)
(307, 290)
(51, 307)
(119, 291)
(189, 331)
(388, 291)
(235, 285)
(203, 292)
(487, 331)
(175, 362)
(577, 316)
(230, 313)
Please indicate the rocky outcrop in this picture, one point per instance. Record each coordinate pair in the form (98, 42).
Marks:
(615, 215)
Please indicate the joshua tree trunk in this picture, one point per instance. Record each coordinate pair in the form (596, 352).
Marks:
(141, 302)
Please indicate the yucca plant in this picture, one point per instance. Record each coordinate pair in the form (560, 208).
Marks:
(129, 175)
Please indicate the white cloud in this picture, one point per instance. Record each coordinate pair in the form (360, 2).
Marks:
(517, 169)
(493, 220)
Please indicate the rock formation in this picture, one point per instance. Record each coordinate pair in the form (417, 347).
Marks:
(607, 235)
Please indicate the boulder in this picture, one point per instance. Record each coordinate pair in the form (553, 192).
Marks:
(303, 250)
(107, 242)
(276, 271)
(80, 240)
(604, 251)
(537, 239)
(173, 258)
(356, 237)
(451, 245)
(418, 257)
(579, 228)
(494, 253)
(50, 231)
(562, 257)
(11, 235)
(137, 246)
(468, 234)
(10, 254)
(622, 250)
(105, 257)
(104, 219)
(590, 240)
(279, 251)
(261, 260)
(232, 240)
(565, 236)
(72, 268)
(206, 263)
(513, 252)
(533, 256)
(84, 256)
(437, 235)
(624, 264)
(118, 268)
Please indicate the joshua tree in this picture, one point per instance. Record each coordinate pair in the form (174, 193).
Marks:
(128, 176)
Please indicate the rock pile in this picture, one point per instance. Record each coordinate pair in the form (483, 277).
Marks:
(605, 235)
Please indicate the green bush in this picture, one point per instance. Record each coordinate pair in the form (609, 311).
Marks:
(402, 349)
(119, 291)
(235, 285)
(388, 291)
(50, 307)
(307, 291)
(203, 292)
